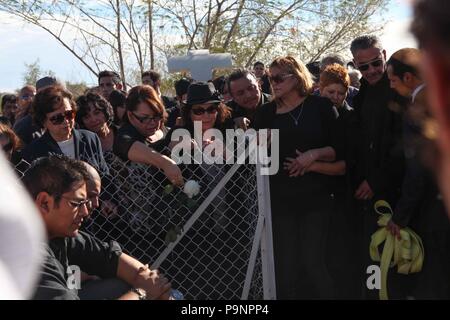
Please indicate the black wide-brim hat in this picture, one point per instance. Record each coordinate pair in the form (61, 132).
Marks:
(202, 92)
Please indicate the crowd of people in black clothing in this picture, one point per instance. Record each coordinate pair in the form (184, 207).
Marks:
(344, 143)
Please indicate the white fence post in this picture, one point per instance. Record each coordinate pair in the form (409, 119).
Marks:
(268, 265)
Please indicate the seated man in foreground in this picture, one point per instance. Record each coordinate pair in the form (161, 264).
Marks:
(58, 187)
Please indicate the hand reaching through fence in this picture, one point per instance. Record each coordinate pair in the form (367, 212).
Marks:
(173, 173)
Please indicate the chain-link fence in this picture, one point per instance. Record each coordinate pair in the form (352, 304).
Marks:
(206, 244)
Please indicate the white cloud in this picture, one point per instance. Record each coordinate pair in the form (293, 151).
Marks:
(25, 43)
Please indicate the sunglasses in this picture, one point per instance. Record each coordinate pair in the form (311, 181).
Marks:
(27, 96)
(201, 111)
(364, 67)
(78, 204)
(280, 78)
(7, 147)
(147, 119)
(59, 118)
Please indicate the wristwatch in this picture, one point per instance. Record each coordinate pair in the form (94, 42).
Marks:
(140, 292)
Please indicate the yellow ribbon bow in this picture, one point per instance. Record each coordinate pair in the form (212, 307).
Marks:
(407, 251)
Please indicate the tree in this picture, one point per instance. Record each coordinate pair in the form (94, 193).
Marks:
(120, 34)
(105, 34)
(77, 89)
(34, 72)
(261, 29)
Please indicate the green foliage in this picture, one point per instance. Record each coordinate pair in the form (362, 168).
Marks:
(34, 72)
(77, 89)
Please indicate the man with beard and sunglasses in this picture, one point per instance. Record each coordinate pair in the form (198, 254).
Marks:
(378, 173)
(54, 109)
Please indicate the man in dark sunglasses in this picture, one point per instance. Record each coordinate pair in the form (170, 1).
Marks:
(378, 171)
(371, 62)
(377, 63)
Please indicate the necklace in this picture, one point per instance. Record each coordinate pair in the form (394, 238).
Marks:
(296, 119)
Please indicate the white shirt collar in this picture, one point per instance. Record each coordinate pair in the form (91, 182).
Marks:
(416, 91)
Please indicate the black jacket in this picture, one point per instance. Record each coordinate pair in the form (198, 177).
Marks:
(380, 150)
(265, 84)
(87, 148)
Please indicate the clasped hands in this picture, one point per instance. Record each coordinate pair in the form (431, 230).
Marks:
(155, 284)
(300, 165)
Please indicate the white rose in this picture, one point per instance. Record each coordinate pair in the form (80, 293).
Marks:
(191, 188)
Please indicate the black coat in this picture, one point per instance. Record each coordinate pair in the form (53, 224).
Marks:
(380, 160)
(87, 148)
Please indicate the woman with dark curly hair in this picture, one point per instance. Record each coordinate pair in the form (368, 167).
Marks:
(96, 114)
(54, 109)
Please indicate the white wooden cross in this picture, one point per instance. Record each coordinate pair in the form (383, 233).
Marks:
(200, 63)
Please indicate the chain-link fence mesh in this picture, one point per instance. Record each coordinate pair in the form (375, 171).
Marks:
(210, 260)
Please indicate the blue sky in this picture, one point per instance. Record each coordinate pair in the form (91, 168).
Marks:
(23, 43)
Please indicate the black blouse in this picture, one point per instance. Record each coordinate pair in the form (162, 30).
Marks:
(310, 125)
(128, 135)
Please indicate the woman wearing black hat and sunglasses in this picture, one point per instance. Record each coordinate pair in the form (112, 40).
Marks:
(204, 109)
(205, 104)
